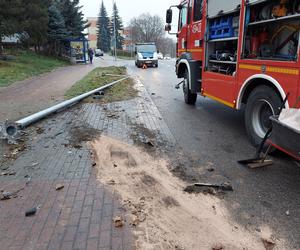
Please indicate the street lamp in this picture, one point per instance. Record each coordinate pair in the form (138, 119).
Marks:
(115, 35)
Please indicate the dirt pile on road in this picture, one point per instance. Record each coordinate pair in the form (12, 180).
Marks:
(164, 215)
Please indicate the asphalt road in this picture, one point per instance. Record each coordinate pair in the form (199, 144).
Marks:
(264, 200)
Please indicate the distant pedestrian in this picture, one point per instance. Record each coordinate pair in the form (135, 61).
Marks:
(91, 54)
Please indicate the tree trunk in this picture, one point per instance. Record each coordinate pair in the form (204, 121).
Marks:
(1, 47)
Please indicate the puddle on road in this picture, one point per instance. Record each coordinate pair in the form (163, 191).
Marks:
(165, 217)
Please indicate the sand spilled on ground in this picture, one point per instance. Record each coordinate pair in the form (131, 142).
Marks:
(165, 217)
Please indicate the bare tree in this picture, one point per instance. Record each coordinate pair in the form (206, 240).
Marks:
(147, 28)
(167, 45)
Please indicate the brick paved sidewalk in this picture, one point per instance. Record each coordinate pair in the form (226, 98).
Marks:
(80, 216)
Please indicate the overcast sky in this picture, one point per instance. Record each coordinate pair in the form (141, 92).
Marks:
(128, 8)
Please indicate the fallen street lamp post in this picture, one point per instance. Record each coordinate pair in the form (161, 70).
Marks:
(11, 130)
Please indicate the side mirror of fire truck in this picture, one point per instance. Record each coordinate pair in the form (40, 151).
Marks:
(169, 16)
(168, 27)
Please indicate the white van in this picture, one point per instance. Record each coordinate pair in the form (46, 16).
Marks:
(146, 54)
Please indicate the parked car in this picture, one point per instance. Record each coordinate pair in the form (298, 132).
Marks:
(160, 56)
(167, 57)
(98, 52)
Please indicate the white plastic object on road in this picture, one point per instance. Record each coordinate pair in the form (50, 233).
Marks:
(291, 118)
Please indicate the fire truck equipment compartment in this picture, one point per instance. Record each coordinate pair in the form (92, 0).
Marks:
(214, 6)
(221, 27)
(273, 31)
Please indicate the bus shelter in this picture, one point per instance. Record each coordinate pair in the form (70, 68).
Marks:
(79, 49)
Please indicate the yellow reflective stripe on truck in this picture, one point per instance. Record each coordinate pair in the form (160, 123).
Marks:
(270, 69)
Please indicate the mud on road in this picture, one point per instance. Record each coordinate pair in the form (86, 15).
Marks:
(165, 216)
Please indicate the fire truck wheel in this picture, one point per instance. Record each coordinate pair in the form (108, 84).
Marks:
(263, 102)
(189, 97)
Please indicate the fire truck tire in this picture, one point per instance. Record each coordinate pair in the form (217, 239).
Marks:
(189, 97)
(263, 102)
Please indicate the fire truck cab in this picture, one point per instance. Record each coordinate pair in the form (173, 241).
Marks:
(241, 53)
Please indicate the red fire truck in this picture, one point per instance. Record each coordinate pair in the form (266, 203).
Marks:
(242, 53)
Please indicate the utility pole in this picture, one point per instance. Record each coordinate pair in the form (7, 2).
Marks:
(115, 35)
(131, 42)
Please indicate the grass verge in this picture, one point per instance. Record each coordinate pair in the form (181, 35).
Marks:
(121, 91)
(126, 57)
(26, 64)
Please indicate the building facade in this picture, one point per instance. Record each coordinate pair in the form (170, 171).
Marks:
(92, 32)
(128, 43)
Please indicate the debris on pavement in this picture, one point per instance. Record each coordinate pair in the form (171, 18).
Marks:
(178, 247)
(111, 182)
(28, 179)
(14, 152)
(5, 173)
(268, 243)
(40, 130)
(5, 195)
(118, 221)
(150, 143)
(210, 169)
(287, 212)
(32, 166)
(134, 221)
(218, 247)
(98, 95)
(59, 187)
(226, 186)
(113, 116)
(77, 146)
(4, 167)
(31, 212)
(82, 133)
(205, 190)
(260, 164)
(137, 210)
(57, 134)
(142, 216)
(208, 188)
